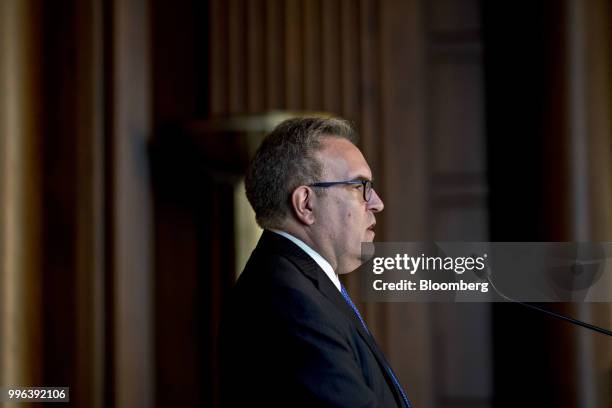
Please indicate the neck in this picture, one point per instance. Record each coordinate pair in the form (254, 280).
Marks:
(309, 238)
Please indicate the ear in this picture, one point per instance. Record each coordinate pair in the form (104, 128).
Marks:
(302, 201)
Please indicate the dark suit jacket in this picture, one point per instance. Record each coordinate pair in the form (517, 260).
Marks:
(288, 338)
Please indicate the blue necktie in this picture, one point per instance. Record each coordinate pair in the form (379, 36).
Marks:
(348, 300)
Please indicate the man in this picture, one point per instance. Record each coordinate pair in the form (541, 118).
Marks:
(291, 335)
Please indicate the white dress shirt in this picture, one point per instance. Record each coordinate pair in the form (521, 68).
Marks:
(322, 262)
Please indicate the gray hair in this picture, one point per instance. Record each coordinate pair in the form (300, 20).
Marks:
(286, 160)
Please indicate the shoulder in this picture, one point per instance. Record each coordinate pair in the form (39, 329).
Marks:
(275, 286)
(270, 270)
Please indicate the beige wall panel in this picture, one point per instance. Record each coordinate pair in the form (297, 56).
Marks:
(468, 352)
(369, 106)
(590, 107)
(275, 55)
(332, 63)
(313, 65)
(403, 128)
(219, 57)
(457, 117)
(454, 15)
(404, 177)
(349, 15)
(88, 389)
(599, 113)
(461, 223)
(294, 48)
(237, 52)
(132, 265)
(20, 211)
(255, 56)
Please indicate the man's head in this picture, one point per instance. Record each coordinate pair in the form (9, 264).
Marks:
(334, 219)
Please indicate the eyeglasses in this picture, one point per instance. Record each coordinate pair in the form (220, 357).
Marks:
(368, 186)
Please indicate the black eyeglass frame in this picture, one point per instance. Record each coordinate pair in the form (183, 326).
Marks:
(367, 192)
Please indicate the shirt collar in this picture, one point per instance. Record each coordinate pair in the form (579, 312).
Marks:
(322, 262)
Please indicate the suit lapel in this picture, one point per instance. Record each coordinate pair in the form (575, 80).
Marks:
(331, 292)
(281, 245)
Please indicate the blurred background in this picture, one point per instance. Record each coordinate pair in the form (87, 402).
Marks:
(126, 127)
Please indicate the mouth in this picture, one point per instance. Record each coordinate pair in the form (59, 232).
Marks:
(371, 227)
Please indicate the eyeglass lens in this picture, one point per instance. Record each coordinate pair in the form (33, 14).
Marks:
(367, 190)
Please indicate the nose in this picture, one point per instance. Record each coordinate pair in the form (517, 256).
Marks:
(375, 204)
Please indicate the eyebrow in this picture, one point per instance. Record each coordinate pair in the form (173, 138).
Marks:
(359, 177)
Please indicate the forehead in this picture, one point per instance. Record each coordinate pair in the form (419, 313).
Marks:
(342, 160)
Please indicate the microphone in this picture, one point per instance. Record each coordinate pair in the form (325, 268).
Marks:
(485, 274)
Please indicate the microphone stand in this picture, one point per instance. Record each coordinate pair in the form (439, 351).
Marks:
(551, 313)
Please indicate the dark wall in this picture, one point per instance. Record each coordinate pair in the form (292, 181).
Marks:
(529, 188)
